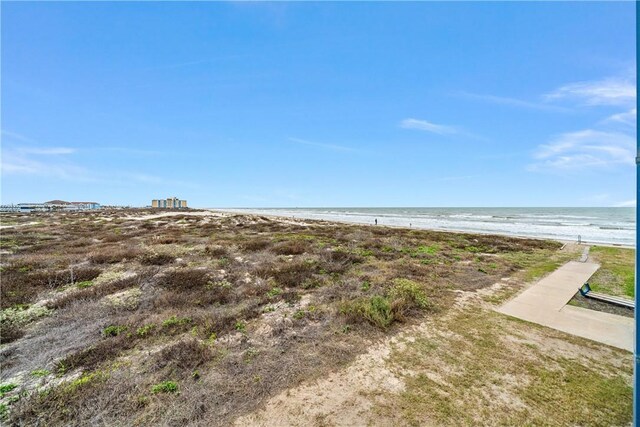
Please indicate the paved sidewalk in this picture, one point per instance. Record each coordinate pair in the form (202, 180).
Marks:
(545, 303)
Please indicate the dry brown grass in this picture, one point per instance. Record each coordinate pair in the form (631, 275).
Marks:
(21, 285)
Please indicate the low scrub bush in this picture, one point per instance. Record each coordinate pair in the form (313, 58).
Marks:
(6, 388)
(21, 286)
(241, 326)
(405, 297)
(156, 259)
(410, 291)
(10, 332)
(216, 251)
(94, 292)
(189, 287)
(93, 356)
(22, 314)
(176, 321)
(113, 330)
(40, 373)
(84, 284)
(165, 387)
(255, 245)
(291, 247)
(182, 357)
(294, 274)
(376, 310)
(114, 256)
(185, 279)
(145, 330)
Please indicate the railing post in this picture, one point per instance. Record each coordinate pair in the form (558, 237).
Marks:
(636, 348)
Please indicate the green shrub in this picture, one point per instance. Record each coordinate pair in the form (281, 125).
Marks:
(113, 330)
(6, 388)
(145, 330)
(410, 291)
(274, 292)
(376, 310)
(40, 373)
(21, 314)
(84, 380)
(165, 387)
(241, 326)
(268, 309)
(382, 311)
(85, 284)
(175, 320)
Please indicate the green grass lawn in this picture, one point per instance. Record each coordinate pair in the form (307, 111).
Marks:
(616, 274)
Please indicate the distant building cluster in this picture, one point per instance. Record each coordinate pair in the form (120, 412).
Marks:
(52, 205)
(170, 203)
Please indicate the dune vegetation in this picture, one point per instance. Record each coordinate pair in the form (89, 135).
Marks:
(129, 318)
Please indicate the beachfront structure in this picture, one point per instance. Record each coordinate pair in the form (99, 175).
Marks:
(71, 206)
(169, 203)
(52, 205)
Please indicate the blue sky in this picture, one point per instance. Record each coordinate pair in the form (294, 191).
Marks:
(305, 104)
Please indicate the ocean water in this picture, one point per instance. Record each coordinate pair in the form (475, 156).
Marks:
(597, 225)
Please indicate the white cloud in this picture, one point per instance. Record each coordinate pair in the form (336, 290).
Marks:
(30, 162)
(627, 118)
(584, 150)
(611, 91)
(14, 136)
(427, 126)
(626, 204)
(502, 100)
(54, 163)
(48, 151)
(321, 145)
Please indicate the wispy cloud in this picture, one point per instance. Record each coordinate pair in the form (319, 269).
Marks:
(610, 91)
(131, 151)
(332, 147)
(48, 162)
(57, 163)
(445, 130)
(428, 126)
(14, 136)
(626, 204)
(584, 149)
(514, 102)
(51, 151)
(626, 118)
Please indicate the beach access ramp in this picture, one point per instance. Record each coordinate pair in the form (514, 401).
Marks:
(545, 303)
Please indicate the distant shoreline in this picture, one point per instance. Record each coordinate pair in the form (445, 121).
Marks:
(245, 211)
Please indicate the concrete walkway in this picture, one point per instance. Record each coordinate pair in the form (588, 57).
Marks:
(545, 303)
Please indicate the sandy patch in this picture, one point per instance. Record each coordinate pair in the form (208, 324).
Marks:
(340, 399)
